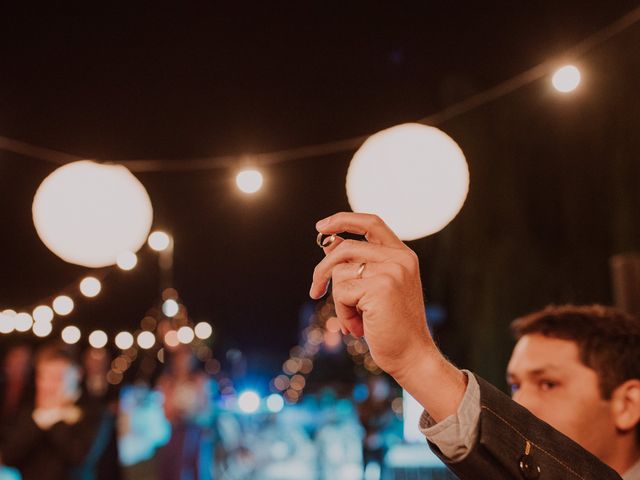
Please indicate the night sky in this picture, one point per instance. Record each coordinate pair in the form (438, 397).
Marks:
(553, 181)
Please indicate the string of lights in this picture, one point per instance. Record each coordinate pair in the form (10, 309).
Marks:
(565, 80)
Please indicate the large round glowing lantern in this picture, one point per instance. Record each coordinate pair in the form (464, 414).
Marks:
(88, 213)
(413, 176)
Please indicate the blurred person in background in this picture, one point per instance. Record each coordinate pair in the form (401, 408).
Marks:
(16, 384)
(55, 438)
(375, 416)
(100, 395)
(189, 409)
(16, 392)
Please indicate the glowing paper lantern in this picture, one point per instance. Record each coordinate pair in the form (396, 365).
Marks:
(413, 176)
(87, 213)
(159, 241)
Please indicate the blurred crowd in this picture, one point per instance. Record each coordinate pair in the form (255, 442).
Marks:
(62, 419)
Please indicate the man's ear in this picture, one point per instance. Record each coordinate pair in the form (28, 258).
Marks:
(625, 405)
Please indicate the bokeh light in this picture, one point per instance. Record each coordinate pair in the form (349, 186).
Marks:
(159, 241)
(87, 213)
(63, 305)
(90, 287)
(98, 339)
(124, 340)
(275, 403)
(249, 401)
(171, 339)
(249, 181)
(413, 176)
(127, 260)
(566, 79)
(170, 308)
(43, 313)
(42, 329)
(7, 321)
(70, 334)
(146, 340)
(203, 330)
(185, 334)
(23, 322)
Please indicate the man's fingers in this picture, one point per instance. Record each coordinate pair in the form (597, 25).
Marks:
(346, 296)
(353, 251)
(371, 226)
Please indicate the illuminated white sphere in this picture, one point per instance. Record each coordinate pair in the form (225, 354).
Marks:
(249, 181)
(63, 305)
(566, 79)
(43, 313)
(413, 176)
(7, 321)
(159, 241)
(87, 213)
(146, 340)
(42, 329)
(203, 330)
(98, 339)
(23, 322)
(275, 403)
(170, 308)
(90, 287)
(124, 340)
(249, 401)
(127, 260)
(70, 334)
(185, 335)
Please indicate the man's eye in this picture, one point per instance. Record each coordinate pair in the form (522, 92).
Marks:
(514, 387)
(546, 385)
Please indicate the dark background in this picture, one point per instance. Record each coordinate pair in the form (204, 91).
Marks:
(554, 178)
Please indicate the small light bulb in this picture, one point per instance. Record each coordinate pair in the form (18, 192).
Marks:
(90, 287)
(70, 334)
(566, 79)
(63, 305)
(249, 181)
(127, 260)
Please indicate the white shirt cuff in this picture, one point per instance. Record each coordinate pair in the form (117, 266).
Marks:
(456, 435)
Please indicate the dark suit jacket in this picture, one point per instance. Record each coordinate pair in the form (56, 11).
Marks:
(51, 454)
(500, 452)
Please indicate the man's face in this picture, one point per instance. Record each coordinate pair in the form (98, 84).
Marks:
(56, 380)
(546, 377)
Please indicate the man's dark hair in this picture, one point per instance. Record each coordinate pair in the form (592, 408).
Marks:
(608, 339)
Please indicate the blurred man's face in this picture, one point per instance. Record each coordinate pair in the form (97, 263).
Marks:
(56, 379)
(17, 362)
(547, 377)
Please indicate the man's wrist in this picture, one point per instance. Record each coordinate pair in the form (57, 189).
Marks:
(434, 382)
